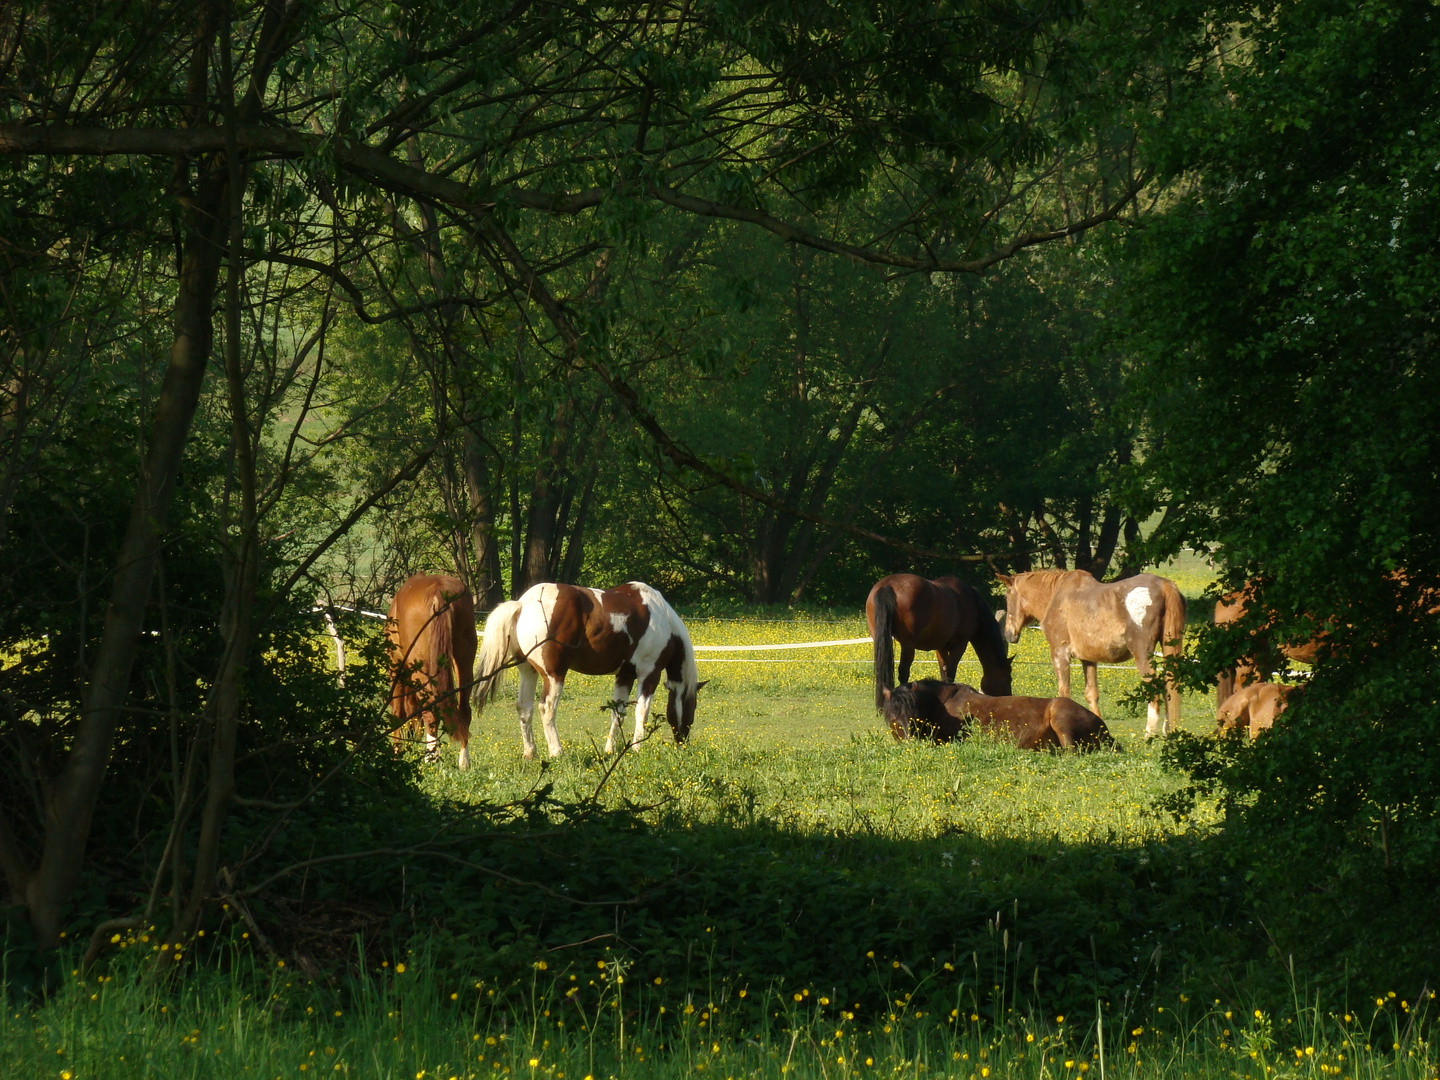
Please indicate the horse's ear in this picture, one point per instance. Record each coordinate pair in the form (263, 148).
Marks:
(1007, 579)
(701, 685)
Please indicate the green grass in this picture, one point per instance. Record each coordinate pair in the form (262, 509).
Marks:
(411, 1021)
(793, 894)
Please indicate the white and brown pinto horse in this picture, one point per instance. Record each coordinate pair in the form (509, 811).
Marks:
(1097, 623)
(554, 629)
(430, 636)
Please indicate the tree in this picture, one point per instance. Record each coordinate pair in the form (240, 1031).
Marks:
(1282, 316)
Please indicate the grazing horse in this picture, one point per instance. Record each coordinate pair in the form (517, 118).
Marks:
(1100, 624)
(944, 615)
(1253, 707)
(553, 629)
(944, 711)
(430, 636)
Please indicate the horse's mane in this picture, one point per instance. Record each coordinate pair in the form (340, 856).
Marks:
(904, 703)
(1047, 582)
(689, 672)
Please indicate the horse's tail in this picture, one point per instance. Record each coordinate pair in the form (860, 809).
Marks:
(882, 638)
(496, 650)
(1172, 640)
(442, 655)
(1173, 625)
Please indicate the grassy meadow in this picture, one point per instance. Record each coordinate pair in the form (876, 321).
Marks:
(792, 894)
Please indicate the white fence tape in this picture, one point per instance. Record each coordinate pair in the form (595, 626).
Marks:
(784, 645)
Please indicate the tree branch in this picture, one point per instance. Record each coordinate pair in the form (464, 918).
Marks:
(417, 183)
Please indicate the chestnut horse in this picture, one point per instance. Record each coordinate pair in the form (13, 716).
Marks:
(553, 629)
(1232, 607)
(1100, 624)
(1254, 707)
(945, 615)
(944, 711)
(430, 636)
(1229, 609)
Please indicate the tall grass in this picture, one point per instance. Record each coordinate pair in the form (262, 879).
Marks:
(416, 1020)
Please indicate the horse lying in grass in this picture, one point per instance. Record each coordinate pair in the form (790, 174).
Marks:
(945, 711)
(1253, 707)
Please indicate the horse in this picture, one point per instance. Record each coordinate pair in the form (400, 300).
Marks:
(430, 638)
(945, 615)
(1253, 707)
(1230, 609)
(1100, 624)
(945, 711)
(552, 629)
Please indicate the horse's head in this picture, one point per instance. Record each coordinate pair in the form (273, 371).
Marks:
(901, 710)
(680, 709)
(996, 681)
(1016, 615)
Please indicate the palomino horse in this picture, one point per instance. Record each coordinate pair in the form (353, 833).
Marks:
(944, 615)
(1100, 624)
(430, 635)
(1254, 707)
(629, 630)
(944, 711)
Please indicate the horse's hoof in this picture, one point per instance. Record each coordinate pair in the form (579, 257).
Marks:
(529, 755)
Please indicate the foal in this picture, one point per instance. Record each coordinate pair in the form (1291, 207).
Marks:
(944, 711)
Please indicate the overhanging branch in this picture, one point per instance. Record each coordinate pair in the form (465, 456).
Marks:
(409, 181)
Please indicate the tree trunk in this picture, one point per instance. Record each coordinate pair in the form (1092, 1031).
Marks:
(487, 586)
(72, 802)
(1106, 541)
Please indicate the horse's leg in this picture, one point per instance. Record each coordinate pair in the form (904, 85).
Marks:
(1060, 658)
(907, 657)
(525, 706)
(554, 687)
(461, 734)
(1153, 724)
(618, 697)
(949, 660)
(1092, 685)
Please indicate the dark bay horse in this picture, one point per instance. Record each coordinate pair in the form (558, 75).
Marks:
(430, 636)
(945, 711)
(554, 629)
(1099, 623)
(945, 615)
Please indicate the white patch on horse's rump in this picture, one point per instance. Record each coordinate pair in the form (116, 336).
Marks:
(1137, 602)
(618, 623)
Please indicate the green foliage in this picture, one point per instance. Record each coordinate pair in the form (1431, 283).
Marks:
(1282, 318)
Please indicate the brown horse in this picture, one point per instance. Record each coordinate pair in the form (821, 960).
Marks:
(945, 615)
(1230, 609)
(553, 629)
(945, 711)
(1100, 624)
(1254, 707)
(1256, 666)
(430, 635)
